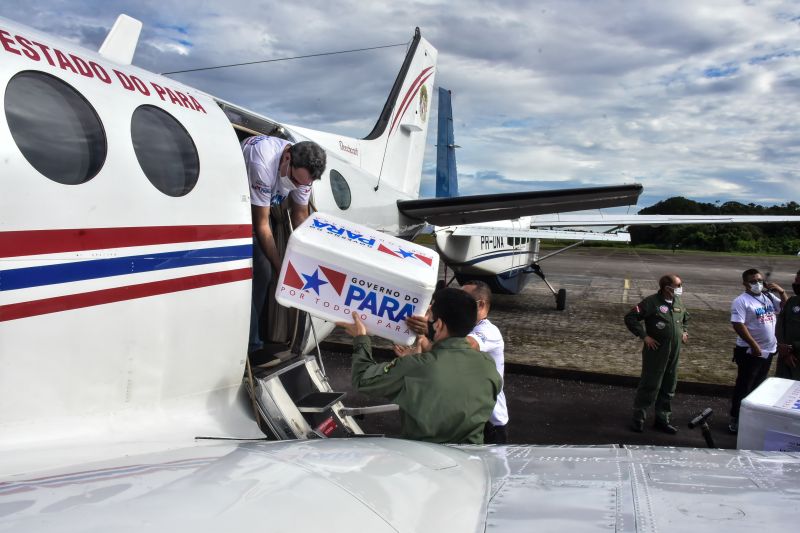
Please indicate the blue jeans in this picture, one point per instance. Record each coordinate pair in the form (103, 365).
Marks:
(262, 275)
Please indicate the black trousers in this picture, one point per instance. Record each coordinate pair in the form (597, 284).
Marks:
(494, 434)
(752, 372)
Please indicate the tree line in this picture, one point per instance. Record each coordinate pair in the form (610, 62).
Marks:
(746, 238)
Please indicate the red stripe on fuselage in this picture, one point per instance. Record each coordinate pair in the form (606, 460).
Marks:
(35, 242)
(409, 95)
(119, 294)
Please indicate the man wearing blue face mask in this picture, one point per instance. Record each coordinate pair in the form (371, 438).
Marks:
(664, 330)
(753, 316)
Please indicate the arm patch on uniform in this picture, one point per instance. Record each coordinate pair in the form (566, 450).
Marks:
(388, 366)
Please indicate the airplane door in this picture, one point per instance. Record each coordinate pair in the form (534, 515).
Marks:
(518, 246)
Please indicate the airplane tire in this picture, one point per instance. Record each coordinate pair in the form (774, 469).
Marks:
(561, 299)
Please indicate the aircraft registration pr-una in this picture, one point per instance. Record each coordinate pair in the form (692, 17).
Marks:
(125, 266)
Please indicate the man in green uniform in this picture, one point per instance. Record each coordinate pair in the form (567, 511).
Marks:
(664, 331)
(445, 394)
(788, 333)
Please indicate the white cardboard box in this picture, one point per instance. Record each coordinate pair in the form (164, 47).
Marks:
(332, 267)
(769, 418)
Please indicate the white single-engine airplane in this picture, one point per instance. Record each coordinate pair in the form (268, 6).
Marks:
(125, 266)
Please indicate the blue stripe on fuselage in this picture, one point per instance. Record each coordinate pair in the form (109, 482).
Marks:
(23, 278)
(490, 256)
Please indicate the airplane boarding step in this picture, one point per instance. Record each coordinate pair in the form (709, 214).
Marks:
(294, 400)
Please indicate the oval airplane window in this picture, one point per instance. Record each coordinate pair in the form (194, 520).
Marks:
(340, 190)
(55, 128)
(165, 151)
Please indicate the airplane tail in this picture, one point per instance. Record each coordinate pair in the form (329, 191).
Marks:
(395, 147)
(446, 174)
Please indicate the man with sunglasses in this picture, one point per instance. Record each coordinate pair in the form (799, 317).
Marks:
(664, 330)
(277, 170)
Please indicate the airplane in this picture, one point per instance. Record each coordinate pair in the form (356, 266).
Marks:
(125, 267)
(505, 253)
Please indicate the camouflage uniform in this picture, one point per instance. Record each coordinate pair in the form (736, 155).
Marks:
(666, 323)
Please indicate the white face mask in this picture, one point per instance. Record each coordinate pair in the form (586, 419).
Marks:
(677, 291)
(756, 287)
(285, 186)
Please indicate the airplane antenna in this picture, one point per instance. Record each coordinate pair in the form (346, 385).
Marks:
(285, 59)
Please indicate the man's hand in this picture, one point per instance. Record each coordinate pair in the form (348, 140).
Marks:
(402, 351)
(355, 328)
(651, 343)
(755, 350)
(685, 337)
(417, 324)
(786, 355)
(424, 343)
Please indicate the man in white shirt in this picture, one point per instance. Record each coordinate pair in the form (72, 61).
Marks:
(753, 316)
(485, 337)
(277, 170)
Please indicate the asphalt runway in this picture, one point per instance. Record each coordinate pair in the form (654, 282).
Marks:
(581, 410)
(710, 281)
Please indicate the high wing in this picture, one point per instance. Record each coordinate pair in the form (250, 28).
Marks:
(491, 207)
(561, 220)
(653, 220)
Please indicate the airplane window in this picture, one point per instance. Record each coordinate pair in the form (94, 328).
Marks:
(165, 151)
(340, 190)
(55, 128)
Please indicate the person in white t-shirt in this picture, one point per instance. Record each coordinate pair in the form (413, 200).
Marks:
(485, 337)
(753, 316)
(276, 170)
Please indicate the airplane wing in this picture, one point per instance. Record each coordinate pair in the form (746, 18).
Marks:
(387, 485)
(478, 230)
(538, 224)
(491, 207)
(652, 220)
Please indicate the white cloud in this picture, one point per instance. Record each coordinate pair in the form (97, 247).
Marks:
(693, 98)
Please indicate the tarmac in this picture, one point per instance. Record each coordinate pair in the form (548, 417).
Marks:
(570, 375)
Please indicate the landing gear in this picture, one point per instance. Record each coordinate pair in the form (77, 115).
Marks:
(560, 295)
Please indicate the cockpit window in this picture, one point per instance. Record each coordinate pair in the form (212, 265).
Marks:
(165, 151)
(55, 128)
(340, 190)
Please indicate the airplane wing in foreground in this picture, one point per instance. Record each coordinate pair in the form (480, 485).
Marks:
(386, 485)
(491, 207)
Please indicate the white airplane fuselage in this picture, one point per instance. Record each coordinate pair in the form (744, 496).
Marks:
(497, 260)
(125, 241)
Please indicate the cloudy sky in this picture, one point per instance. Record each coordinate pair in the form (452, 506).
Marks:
(698, 98)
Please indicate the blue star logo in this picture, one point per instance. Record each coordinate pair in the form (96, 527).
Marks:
(404, 253)
(313, 282)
